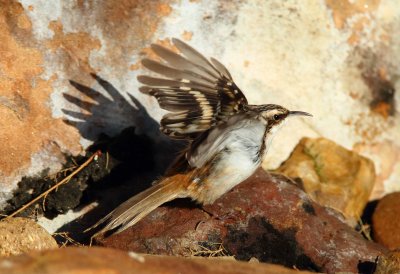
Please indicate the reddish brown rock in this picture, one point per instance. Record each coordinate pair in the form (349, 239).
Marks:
(265, 217)
(386, 221)
(102, 260)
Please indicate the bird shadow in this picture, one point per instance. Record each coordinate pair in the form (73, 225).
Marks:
(106, 114)
(135, 153)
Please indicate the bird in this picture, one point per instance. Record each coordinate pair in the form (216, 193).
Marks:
(227, 138)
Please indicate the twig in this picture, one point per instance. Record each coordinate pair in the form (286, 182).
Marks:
(65, 180)
(67, 239)
(365, 229)
(205, 251)
(107, 160)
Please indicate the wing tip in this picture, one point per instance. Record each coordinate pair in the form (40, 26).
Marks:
(147, 90)
(177, 42)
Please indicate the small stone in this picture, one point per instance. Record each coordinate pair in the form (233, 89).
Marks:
(107, 260)
(21, 235)
(332, 175)
(389, 263)
(386, 221)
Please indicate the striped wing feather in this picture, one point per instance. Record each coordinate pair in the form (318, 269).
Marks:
(199, 93)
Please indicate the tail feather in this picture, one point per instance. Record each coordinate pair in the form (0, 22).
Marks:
(137, 207)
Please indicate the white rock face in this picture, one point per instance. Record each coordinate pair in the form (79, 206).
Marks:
(334, 59)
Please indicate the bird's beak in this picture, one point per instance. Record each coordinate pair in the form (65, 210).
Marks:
(302, 113)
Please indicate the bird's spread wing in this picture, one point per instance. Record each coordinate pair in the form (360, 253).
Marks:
(198, 93)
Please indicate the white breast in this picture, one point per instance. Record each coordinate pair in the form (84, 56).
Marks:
(237, 147)
(240, 158)
(238, 133)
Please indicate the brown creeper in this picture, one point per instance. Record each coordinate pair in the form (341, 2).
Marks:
(228, 138)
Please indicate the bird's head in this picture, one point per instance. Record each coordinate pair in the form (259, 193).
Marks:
(274, 115)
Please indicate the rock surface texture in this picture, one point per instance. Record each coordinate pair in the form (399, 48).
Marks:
(101, 260)
(389, 263)
(332, 175)
(337, 59)
(265, 217)
(386, 221)
(21, 235)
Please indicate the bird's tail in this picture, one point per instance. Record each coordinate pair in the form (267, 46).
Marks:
(137, 207)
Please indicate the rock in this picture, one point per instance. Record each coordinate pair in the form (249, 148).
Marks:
(21, 235)
(268, 218)
(42, 55)
(103, 260)
(332, 175)
(389, 263)
(386, 221)
(387, 162)
(42, 52)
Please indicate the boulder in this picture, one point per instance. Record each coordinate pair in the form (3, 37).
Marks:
(266, 217)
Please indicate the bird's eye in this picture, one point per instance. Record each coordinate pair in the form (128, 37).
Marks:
(277, 117)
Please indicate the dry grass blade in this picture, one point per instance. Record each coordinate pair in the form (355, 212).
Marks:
(215, 250)
(365, 230)
(67, 239)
